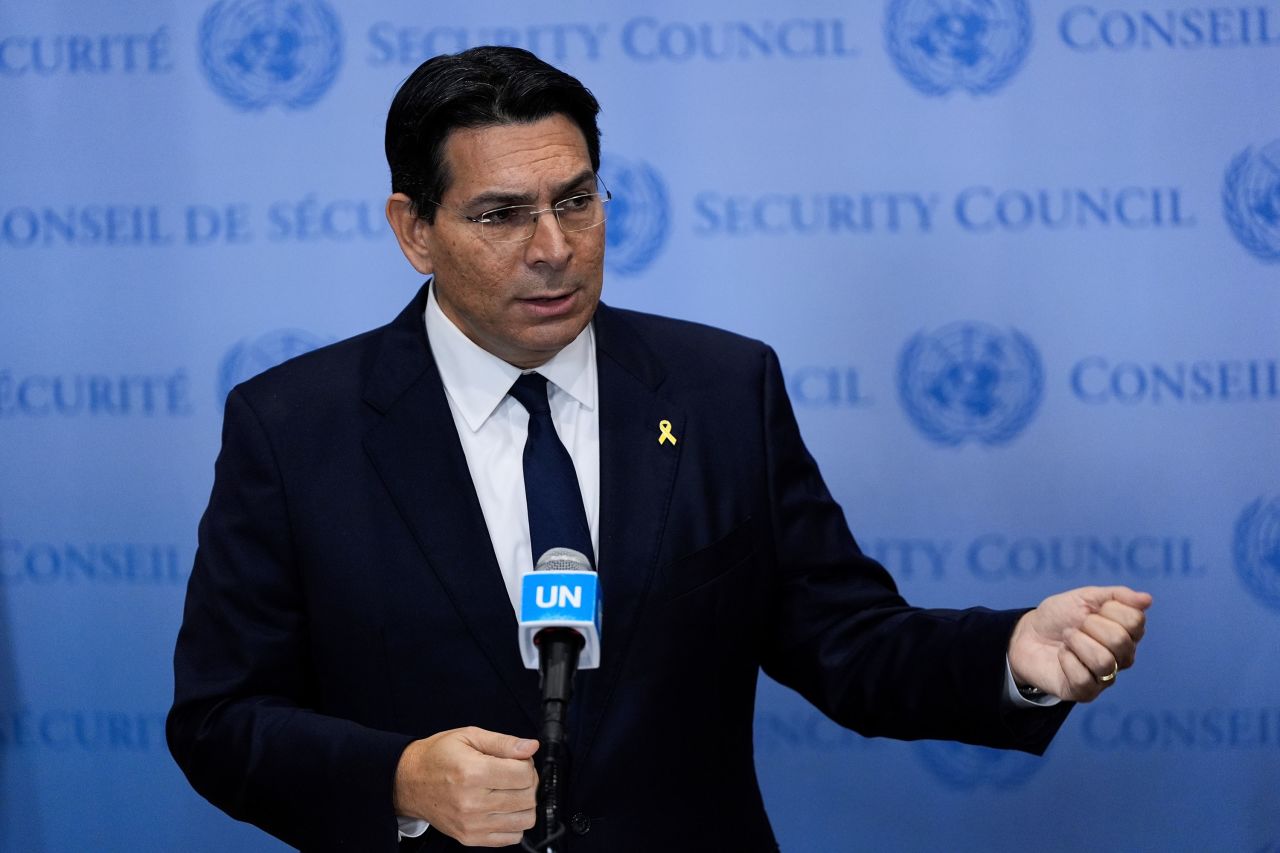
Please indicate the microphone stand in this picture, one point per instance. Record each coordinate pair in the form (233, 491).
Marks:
(558, 663)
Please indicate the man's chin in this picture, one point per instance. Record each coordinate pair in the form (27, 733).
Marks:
(542, 342)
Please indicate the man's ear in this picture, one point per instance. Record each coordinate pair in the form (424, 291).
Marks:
(411, 232)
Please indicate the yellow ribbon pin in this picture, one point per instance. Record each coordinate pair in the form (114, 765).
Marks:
(665, 435)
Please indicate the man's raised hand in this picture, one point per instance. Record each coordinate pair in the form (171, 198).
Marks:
(1074, 643)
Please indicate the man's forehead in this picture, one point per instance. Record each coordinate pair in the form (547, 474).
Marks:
(518, 157)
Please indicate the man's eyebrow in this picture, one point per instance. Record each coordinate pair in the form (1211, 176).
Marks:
(574, 183)
(498, 198)
(502, 198)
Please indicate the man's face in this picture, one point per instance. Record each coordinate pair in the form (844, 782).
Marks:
(521, 301)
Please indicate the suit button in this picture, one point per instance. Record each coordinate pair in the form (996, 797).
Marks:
(580, 823)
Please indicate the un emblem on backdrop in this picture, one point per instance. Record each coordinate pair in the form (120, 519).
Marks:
(250, 357)
(970, 381)
(975, 45)
(1251, 200)
(259, 52)
(967, 768)
(639, 215)
(1257, 550)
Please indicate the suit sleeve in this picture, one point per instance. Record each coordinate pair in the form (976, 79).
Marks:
(240, 726)
(848, 642)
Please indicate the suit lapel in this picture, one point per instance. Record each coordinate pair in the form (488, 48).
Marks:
(637, 475)
(416, 451)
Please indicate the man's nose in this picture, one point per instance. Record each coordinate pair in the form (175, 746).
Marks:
(549, 244)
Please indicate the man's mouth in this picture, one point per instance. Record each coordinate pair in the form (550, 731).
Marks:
(549, 305)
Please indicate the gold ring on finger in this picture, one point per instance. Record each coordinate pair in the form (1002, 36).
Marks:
(1110, 677)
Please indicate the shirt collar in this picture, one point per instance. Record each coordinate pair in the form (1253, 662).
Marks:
(477, 381)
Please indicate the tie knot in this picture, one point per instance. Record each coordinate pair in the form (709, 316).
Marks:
(530, 391)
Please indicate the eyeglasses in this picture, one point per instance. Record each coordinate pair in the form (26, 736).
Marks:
(519, 222)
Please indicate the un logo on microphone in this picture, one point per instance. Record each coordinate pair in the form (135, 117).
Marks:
(1257, 550)
(967, 768)
(250, 357)
(975, 45)
(639, 215)
(261, 52)
(970, 381)
(1251, 200)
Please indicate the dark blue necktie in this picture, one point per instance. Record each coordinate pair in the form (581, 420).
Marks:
(556, 515)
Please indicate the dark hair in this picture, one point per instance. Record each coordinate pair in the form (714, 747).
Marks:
(479, 87)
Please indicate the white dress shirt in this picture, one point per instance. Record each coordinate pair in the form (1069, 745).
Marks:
(493, 426)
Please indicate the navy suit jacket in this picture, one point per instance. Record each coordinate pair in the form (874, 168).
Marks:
(346, 600)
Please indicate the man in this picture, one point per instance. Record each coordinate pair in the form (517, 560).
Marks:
(347, 665)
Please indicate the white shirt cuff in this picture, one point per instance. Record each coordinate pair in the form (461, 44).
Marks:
(1020, 699)
(411, 827)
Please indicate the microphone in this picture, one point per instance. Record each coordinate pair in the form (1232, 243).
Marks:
(560, 592)
(559, 632)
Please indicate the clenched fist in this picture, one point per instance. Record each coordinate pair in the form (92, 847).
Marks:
(476, 786)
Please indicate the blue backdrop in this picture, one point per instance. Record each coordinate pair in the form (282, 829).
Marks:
(1021, 264)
